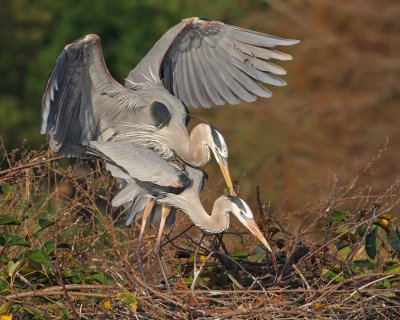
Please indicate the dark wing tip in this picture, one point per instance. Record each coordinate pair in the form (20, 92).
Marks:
(178, 186)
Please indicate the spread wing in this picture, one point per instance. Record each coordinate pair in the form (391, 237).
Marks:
(205, 62)
(80, 93)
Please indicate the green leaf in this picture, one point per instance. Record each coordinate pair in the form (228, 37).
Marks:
(49, 246)
(386, 283)
(344, 252)
(364, 264)
(45, 223)
(12, 267)
(13, 240)
(6, 188)
(256, 258)
(393, 269)
(370, 242)
(242, 254)
(394, 238)
(9, 220)
(100, 277)
(65, 312)
(330, 275)
(128, 297)
(340, 244)
(260, 251)
(338, 216)
(39, 256)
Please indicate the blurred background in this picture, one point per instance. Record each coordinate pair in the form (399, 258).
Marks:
(340, 108)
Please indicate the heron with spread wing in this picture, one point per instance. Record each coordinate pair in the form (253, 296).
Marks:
(197, 62)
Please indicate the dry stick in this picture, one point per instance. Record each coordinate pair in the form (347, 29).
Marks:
(196, 275)
(195, 272)
(155, 292)
(290, 256)
(369, 284)
(68, 287)
(263, 213)
(331, 208)
(364, 312)
(177, 236)
(286, 290)
(57, 265)
(303, 278)
(29, 165)
(260, 206)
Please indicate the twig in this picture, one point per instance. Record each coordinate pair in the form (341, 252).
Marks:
(195, 261)
(177, 236)
(261, 209)
(371, 283)
(196, 275)
(60, 277)
(59, 290)
(29, 165)
(331, 208)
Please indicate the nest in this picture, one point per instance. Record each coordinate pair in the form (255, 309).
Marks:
(66, 253)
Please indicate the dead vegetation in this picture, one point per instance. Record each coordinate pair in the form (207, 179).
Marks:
(66, 253)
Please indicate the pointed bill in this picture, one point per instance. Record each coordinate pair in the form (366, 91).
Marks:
(223, 164)
(252, 226)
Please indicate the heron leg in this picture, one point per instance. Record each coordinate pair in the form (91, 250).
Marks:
(165, 210)
(146, 213)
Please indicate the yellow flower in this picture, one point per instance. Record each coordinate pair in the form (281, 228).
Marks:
(134, 307)
(107, 304)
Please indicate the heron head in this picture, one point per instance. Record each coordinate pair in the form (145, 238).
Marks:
(219, 148)
(244, 214)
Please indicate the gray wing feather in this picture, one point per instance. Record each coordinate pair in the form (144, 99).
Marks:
(126, 195)
(225, 93)
(135, 208)
(81, 97)
(206, 62)
(139, 163)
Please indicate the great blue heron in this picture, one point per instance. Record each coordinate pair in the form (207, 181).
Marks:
(197, 62)
(149, 180)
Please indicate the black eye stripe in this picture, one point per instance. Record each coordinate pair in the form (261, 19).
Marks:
(238, 203)
(215, 137)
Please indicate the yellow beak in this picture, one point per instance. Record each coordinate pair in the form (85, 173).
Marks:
(227, 176)
(252, 226)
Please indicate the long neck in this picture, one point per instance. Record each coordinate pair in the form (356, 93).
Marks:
(198, 152)
(217, 222)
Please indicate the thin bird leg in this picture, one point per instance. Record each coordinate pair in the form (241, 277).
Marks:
(165, 210)
(146, 213)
